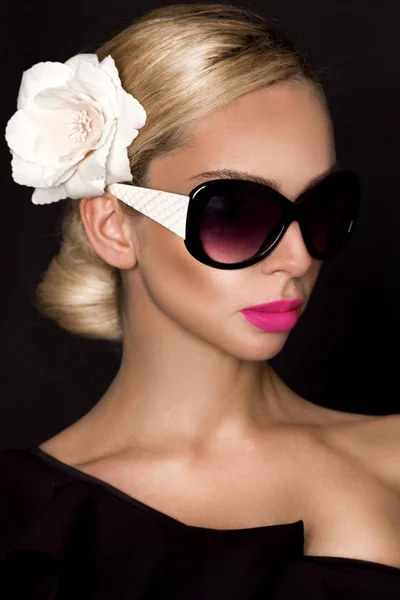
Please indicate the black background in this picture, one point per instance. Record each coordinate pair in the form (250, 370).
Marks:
(344, 352)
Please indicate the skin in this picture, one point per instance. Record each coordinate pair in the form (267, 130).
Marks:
(196, 423)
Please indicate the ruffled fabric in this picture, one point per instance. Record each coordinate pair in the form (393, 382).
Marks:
(67, 536)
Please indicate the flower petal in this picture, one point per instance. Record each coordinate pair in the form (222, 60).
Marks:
(99, 85)
(26, 173)
(118, 167)
(90, 176)
(94, 165)
(41, 76)
(21, 134)
(77, 187)
(132, 117)
(108, 66)
(49, 195)
(76, 60)
(60, 176)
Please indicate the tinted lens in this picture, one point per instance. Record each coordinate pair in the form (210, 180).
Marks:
(239, 221)
(329, 215)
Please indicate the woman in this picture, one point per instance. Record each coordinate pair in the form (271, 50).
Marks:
(199, 474)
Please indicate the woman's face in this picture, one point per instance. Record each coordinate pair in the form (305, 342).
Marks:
(281, 133)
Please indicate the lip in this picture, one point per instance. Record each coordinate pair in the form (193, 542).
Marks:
(279, 306)
(281, 315)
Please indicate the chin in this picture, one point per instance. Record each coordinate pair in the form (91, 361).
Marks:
(265, 348)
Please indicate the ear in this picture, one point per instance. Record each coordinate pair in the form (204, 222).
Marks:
(109, 230)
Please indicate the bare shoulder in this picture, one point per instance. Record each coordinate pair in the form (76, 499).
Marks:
(373, 442)
(351, 491)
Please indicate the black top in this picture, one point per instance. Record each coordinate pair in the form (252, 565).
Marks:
(66, 535)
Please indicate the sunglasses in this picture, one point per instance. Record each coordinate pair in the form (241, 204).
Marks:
(234, 223)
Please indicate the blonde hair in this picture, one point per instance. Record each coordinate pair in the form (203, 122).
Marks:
(181, 62)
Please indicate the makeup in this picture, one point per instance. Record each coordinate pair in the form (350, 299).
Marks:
(281, 315)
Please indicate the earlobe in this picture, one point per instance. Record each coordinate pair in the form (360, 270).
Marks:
(108, 230)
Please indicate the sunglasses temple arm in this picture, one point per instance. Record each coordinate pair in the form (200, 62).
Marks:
(167, 209)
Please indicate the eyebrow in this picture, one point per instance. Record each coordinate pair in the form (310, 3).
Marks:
(272, 183)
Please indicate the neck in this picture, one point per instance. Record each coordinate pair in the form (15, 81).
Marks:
(173, 391)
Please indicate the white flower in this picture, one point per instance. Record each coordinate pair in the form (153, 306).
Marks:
(74, 123)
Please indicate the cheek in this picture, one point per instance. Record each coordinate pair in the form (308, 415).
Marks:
(311, 276)
(177, 283)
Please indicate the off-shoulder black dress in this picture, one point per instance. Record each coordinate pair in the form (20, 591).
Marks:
(65, 535)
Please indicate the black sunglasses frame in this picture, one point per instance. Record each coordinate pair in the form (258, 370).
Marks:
(291, 211)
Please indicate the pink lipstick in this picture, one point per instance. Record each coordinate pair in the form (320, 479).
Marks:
(281, 315)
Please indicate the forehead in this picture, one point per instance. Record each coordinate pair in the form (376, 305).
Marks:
(282, 132)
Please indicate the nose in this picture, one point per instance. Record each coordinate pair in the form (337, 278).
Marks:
(290, 254)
